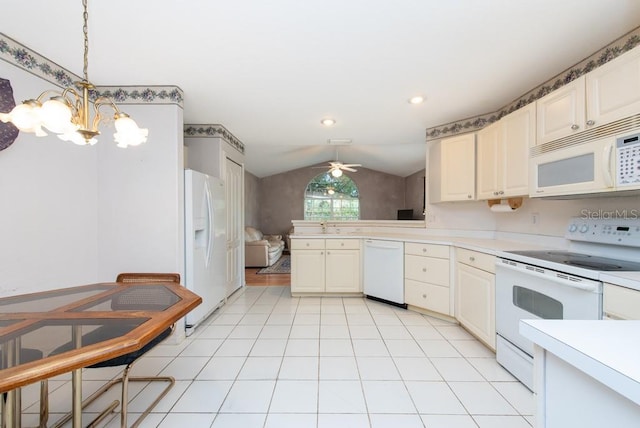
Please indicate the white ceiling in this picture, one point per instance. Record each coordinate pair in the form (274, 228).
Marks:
(269, 71)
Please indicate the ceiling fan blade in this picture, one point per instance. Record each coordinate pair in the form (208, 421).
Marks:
(350, 164)
(344, 168)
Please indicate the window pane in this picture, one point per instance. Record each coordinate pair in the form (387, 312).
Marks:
(331, 198)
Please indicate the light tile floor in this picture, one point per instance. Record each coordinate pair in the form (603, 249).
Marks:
(266, 359)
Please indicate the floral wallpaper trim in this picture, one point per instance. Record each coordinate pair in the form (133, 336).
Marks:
(604, 55)
(21, 56)
(213, 131)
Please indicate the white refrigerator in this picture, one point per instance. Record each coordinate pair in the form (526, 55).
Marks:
(205, 243)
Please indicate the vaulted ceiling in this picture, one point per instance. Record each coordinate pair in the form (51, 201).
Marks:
(269, 71)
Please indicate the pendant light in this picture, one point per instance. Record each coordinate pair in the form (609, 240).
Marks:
(67, 113)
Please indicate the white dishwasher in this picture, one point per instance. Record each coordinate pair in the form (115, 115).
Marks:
(384, 271)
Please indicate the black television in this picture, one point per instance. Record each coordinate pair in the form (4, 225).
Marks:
(405, 214)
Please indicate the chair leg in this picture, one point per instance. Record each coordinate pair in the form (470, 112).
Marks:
(125, 379)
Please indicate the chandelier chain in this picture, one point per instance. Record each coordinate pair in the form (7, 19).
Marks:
(85, 31)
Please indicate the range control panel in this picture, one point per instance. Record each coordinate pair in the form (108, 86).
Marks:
(616, 231)
(628, 160)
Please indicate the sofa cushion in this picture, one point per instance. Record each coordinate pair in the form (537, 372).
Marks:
(252, 234)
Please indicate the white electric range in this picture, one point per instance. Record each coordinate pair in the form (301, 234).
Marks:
(559, 284)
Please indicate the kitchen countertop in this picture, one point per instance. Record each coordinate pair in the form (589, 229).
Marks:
(496, 247)
(605, 350)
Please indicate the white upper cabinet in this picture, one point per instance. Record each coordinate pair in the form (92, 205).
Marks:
(613, 90)
(489, 163)
(503, 155)
(604, 95)
(561, 112)
(518, 135)
(458, 168)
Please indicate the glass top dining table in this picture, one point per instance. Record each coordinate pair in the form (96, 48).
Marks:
(41, 333)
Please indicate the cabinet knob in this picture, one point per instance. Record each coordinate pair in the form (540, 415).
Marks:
(495, 193)
(424, 296)
(472, 259)
(591, 122)
(424, 250)
(424, 269)
(321, 252)
(307, 244)
(342, 244)
(468, 196)
(575, 127)
(501, 192)
(328, 252)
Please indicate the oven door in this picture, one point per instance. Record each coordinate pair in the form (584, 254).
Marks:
(529, 292)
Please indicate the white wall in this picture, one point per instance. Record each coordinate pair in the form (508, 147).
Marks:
(48, 197)
(140, 201)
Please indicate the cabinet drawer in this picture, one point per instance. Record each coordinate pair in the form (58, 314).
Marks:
(342, 244)
(427, 269)
(431, 250)
(621, 302)
(427, 296)
(307, 244)
(483, 261)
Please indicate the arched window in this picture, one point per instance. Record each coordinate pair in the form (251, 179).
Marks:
(331, 198)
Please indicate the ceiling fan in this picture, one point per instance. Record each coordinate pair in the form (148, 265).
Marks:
(336, 167)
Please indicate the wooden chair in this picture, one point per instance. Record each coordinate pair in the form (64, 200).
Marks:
(121, 302)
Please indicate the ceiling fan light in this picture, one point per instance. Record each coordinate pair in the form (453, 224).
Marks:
(418, 99)
(328, 121)
(336, 173)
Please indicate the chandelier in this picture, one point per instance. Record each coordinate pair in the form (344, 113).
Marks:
(67, 113)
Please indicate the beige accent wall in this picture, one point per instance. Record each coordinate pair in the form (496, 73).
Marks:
(281, 196)
(414, 185)
(251, 200)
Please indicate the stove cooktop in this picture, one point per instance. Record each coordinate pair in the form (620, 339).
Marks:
(584, 261)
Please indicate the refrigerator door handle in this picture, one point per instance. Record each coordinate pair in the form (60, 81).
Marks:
(209, 231)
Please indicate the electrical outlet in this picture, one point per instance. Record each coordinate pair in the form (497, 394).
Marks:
(535, 218)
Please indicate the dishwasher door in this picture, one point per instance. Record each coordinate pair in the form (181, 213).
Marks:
(384, 271)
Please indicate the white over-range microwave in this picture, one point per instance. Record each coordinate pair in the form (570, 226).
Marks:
(588, 164)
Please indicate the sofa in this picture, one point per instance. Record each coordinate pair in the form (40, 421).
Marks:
(261, 250)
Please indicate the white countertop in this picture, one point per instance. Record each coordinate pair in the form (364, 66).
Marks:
(496, 247)
(607, 351)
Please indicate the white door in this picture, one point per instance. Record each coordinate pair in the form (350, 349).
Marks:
(235, 224)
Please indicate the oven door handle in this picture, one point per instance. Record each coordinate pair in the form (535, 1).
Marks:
(592, 287)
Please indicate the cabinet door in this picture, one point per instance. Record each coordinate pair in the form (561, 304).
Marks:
(613, 90)
(342, 271)
(489, 169)
(475, 302)
(621, 303)
(562, 112)
(518, 135)
(307, 271)
(458, 168)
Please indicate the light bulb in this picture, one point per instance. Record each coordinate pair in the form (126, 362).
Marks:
(25, 117)
(336, 173)
(56, 116)
(77, 138)
(128, 133)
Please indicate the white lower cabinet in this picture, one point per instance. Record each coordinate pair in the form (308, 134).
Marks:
(325, 266)
(621, 303)
(475, 294)
(426, 277)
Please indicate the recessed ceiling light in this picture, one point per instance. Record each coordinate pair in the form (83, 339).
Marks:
(328, 122)
(418, 99)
